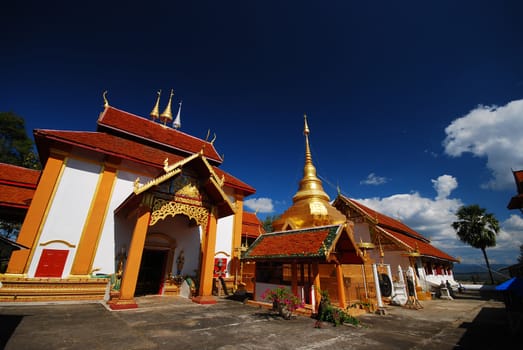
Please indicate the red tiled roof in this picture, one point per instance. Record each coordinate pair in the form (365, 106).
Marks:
(17, 185)
(518, 177)
(251, 226)
(115, 120)
(516, 202)
(401, 232)
(387, 221)
(298, 243)
(104, 143)
(19, 175)
(422, 247)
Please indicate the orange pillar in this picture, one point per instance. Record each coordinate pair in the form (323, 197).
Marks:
(206, 274)
(86, 250)
(134, 258)
(316, 282)
(237, 239)
(341, 287)
(294, 277)
(18, 264)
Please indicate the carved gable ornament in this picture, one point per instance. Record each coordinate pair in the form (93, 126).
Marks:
(181, 191)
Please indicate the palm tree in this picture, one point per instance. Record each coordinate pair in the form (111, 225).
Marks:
(477, 228)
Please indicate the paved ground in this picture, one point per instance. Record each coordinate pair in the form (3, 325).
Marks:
(176, 323)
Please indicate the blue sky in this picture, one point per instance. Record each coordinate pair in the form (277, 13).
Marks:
(415, 108)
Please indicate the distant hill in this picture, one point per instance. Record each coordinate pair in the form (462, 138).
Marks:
(478, 273)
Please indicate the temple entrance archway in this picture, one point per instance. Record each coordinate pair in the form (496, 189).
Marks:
(152, 272)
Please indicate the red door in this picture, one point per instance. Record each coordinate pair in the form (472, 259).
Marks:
(52, 262)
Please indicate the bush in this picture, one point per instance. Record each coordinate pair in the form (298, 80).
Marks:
(335, 315)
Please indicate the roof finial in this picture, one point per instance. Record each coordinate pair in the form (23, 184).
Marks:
(177, 121)
(155, 113)
(106, 102)
(310, 186)
(306, 130)
(167, 114)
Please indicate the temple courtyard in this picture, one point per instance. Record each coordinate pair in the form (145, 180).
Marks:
(177, 323)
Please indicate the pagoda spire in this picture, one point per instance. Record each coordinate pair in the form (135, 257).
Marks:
(155, 113)
(310, 205)
(167, 114)
(310, 187)
(177, 123)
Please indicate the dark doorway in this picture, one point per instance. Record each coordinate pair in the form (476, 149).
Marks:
(151, 272)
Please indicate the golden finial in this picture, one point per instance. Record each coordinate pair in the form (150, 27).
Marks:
(213, 139)
(106, 102)
(155, 113)
(310, 185)
(167, 114)
(208, 134)
(306, 130)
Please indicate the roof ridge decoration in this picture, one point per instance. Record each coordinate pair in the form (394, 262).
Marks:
(155, 113)
(167, 114)
(177, 123)
(106, 101)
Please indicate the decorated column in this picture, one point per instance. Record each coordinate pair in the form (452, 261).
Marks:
(206, 274)
(134, 258)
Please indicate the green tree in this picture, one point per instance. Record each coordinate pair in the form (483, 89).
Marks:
(15, 146)
(477, 228)
(18, 149)
(267, 223)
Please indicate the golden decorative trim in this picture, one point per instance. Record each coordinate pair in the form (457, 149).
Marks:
(70, 245)
(162, 208)
(222, 252)
(366, 245)
(139, 189)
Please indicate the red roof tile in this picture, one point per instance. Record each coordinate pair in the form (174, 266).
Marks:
(114, 120)
(387, 221)
(19, 175)
(252, 227)
(17, 185)
(401, 232)
(422, 247)
(288, 244)
(104, 143)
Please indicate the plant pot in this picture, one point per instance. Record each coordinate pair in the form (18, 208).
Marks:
(284, 311)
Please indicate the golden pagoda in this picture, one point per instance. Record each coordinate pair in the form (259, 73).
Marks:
(311, 205)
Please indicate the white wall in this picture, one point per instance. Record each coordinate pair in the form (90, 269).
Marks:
(105, 259)
(66, 217)
(224, 234)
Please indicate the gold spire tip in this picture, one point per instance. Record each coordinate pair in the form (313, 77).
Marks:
(155, 113)
(106, 102)
(306, 130)
(167, 113)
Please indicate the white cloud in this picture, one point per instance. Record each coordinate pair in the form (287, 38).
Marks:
(373, 179)
(433, 217)
(492, 132)
(444, 185)
(260, 205)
